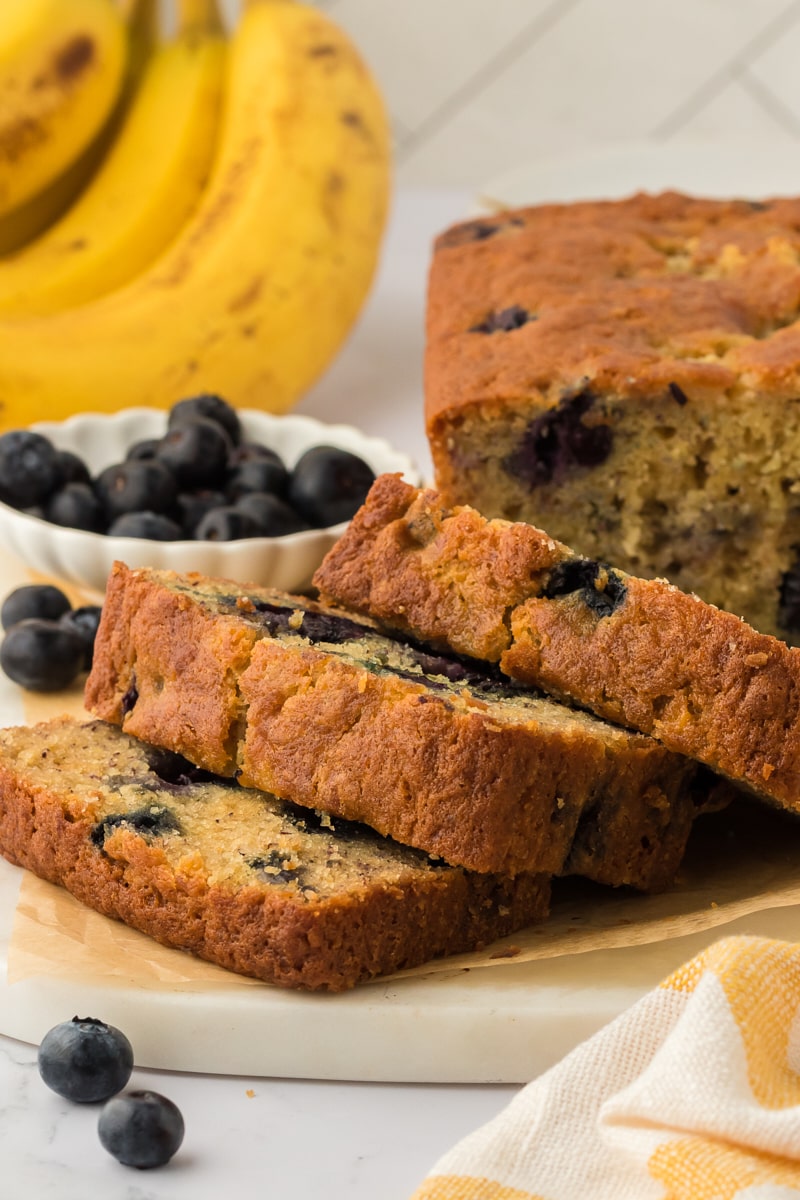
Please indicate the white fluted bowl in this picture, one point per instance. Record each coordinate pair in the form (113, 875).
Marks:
(85, 559)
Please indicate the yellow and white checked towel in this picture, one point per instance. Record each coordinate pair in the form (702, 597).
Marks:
(692, 1094)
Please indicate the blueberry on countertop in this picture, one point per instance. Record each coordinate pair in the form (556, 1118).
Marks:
(33, 600)
(85, 1060)
(84, 621)
(329, 485)
(41, 655)
(141, 1129)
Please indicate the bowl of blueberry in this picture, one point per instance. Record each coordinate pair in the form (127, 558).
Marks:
(203, 487)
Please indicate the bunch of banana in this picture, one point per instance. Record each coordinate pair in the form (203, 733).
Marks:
(61, 70)
(228, 238)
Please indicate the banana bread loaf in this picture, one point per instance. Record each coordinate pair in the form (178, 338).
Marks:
(638, 652)
(322, 709)
(626, 375)
(233, 875)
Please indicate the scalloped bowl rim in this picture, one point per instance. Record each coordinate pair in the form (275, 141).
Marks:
(298, 430)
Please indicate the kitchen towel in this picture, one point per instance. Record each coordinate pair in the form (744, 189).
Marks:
(692, 1094)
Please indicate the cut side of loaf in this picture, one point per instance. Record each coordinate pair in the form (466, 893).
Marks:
(233, 875)
(637, 652)
(624, 374)
(435, 752)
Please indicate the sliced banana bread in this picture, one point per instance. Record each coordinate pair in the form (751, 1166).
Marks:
(637, 652)
(438, 753)
(234, 875)
(624, 374)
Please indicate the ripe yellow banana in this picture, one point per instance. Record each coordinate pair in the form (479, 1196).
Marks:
(62, 65)
(256, 295)
(31, 218)
(146, 189)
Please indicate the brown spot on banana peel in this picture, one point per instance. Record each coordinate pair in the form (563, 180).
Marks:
(332, 190)
(74, 59)
(19, 138)
(247, 297)
(69, 64)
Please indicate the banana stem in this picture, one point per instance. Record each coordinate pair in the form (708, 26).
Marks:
(198, 14)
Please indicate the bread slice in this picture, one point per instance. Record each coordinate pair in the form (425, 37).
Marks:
(440, 754)
(637, 652)
(233, 875)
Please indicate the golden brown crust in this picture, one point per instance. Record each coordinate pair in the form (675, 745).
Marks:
(379, 567)
(264, 932)
(641, 653)
(434, 767)
(628, 295)
(158, 641)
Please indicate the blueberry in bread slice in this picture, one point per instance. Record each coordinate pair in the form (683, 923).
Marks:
(233, 875)
(637, 652)
(320, 707)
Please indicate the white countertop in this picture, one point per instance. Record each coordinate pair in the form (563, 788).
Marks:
(285, 1138)
(265, 1137)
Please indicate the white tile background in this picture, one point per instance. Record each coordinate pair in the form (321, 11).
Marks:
(475, 88)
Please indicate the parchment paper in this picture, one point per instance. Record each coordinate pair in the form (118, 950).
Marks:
(740, 861)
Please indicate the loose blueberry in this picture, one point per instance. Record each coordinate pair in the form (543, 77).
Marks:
(273, 516)
(136, 486)
(329, 485)
(257, 475)
(141, 1129)
(29, 469)
(85, 1060)
(196, 453)
(84, 621)
(154, 526)
(214, 408)
(226, 524)
(76, 506)
(33, 600)
(41, 656)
